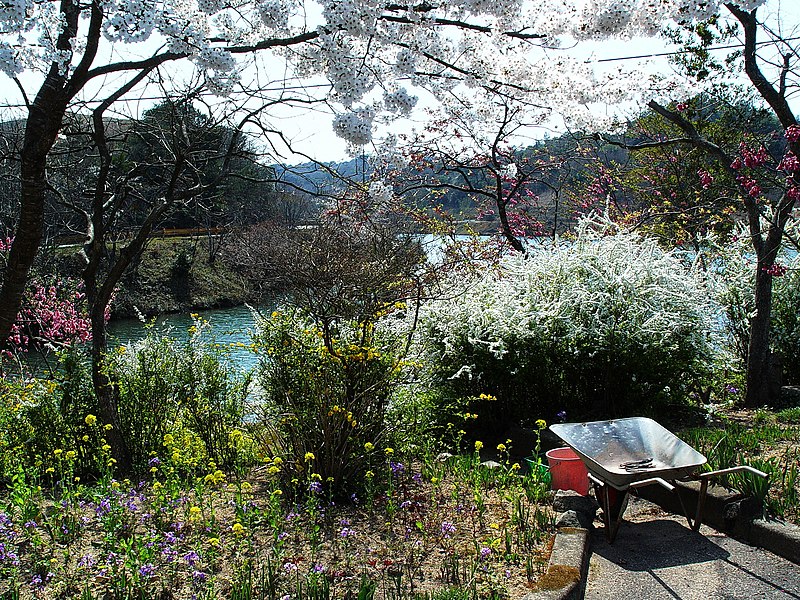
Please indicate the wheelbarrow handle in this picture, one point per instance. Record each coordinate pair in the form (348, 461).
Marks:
(652, 480)
(736, 469)
(635, 484)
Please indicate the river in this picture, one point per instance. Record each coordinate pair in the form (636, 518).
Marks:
(229, 326)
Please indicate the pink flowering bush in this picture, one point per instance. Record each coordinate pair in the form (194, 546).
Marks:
(52, 315)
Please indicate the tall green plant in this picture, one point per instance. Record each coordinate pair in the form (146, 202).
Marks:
(328, 393)
(164, 385)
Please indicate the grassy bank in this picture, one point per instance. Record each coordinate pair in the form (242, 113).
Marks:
(177, 274)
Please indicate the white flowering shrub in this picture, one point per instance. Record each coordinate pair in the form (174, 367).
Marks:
(786, 322)
(732, 266)
(607, 325)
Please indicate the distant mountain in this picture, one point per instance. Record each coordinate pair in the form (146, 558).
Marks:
(321, 178)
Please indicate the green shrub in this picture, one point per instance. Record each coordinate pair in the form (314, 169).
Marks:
(607, 325)
(328, 391)
(40, 416)
(166, 386)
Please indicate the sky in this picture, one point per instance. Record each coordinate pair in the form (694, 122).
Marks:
(313, 134)
(310, 132)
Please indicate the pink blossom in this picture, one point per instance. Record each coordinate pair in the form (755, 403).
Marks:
(793, 133)
(705, 178)
(789, 163)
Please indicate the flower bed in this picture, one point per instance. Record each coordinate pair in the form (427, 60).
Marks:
(449, 524)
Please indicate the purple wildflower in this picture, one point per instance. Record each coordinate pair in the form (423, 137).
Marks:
(315, 487)
(289, 567)
(103, 508)
(448, 529)
(191, 557)
(154, 462)
(199, 576)
(147, 570)
(485, 552)
(169, 554)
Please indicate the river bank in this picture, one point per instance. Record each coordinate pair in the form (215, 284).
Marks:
(178, 275)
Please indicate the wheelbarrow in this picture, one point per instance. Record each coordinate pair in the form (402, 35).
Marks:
(625, 454)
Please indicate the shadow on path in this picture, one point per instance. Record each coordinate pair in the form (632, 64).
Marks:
(656, 545)
(662, 558)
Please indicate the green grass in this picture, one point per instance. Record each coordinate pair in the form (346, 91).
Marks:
(758, 445)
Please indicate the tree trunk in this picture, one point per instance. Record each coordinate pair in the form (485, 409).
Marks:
(44, 121)
(759, 358)
(106, 392)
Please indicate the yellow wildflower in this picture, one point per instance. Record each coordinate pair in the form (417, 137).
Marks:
(369, 447)
(501, 447)
(273, 470)
(194, 513)
(246, 487)
(541, 423)
(90, 420)
(213, 542)
(70, 455)
(85, 438)
(58, 451)
(478, 445)
(157, 486)
(389, 451)
(168, 439)
(108, 427)
(238, 529)
(309, 456)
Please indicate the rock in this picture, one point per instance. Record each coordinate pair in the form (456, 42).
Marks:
(572, 518)
(746, 508)
(491, 464)
(790, 395)
(567, 500)
(443, 457)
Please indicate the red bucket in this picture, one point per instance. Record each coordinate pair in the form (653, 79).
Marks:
(568, 471)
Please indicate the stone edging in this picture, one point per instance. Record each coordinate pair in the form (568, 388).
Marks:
(567, 569)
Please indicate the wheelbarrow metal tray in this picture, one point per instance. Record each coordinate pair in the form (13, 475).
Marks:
(623, 451)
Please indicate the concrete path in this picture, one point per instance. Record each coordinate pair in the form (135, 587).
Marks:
(657, 556)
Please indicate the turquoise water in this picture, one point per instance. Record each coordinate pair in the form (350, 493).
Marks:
(228, 326)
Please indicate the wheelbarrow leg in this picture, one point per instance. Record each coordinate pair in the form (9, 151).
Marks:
(613, 502)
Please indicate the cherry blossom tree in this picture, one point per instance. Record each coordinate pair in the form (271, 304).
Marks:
(60, 54)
